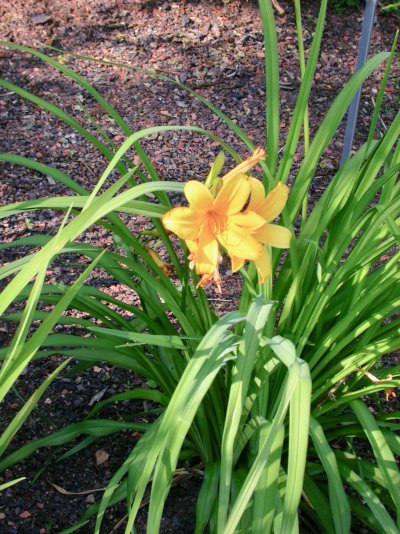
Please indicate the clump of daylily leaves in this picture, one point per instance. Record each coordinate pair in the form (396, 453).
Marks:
(232, 212)
(267, 406)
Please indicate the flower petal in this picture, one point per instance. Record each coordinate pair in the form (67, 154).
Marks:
(236, 263)
(240, 244)
(264, 266)
(249, 220)
(247, 164)
(274, 203)
(198, 195)
(207, 257)
(257, 194)
(184, 222)
(232, 197)
(274, 235)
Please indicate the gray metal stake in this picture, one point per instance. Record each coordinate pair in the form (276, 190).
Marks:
(366, 31)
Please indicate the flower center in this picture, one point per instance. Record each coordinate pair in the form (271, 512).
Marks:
(216, 221)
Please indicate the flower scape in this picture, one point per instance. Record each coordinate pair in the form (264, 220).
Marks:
(232, 214)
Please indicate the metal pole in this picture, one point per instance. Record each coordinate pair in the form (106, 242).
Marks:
(366, 31)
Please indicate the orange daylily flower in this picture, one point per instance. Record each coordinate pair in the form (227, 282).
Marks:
(220, 220)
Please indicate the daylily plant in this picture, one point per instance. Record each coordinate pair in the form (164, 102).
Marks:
(235, 217)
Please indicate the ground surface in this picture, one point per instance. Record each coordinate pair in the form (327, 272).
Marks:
(215, 47)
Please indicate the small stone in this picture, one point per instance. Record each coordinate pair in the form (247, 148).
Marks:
(101, 456)
(40, 18)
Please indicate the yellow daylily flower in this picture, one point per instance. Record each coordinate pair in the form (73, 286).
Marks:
(205, 221)
(223, 220)
(165, 267)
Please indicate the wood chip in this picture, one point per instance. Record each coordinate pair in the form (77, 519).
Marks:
(101, 456)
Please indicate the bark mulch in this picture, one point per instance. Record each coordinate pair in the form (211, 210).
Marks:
(215, 47)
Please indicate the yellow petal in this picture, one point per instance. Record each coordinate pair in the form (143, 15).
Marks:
(274, 235)
(207, 256)
(274, 203)
(232, 197)
(247, 164)
(257, 194)
(264, 266)
(198, 195)
(236, 263)
(240, 244)
(249, 220)
(184, 222)
(192, 246)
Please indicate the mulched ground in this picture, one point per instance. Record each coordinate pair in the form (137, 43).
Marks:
(213, 46)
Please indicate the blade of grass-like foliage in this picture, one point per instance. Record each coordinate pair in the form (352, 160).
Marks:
(369, 470)
(194, 384)
(10, 361)
(379, 512)
(368, 354)
(167, 434)
(132, 139)
(319, 298)
(121, 268)
(21, 354)
(116, 225)
(302, 61)
(389, 190)
(98, 209)
(261, 459)
(339, 504)
(63, 116)
(241, 374)
(135, 137)
(317, 505)
(11, 483)
(170, 342)
(135, 361)
(207, 496)
(381, 92)
(346, 398)
(383, 454)
(138, 393)
(103, 103)
(298, 440)
(94, 427)
(135, 207)
(46, 170)
(272, 83)
(118, 119)
(40, 316)
(265, 494)
(19, 419)
(364, 514)
(300, 109)
(77, 78)
(326, 131)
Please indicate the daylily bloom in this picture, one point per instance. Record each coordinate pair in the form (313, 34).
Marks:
(268, 207)
(223, 220)
(165, 267)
